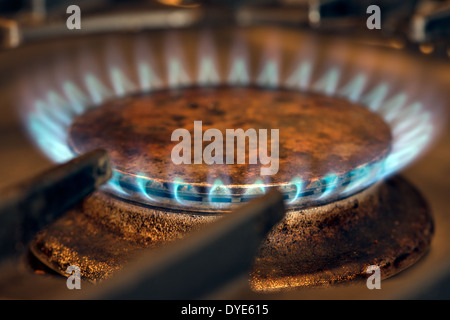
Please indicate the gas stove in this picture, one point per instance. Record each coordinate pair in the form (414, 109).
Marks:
(349, 111)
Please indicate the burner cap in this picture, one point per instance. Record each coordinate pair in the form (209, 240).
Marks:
(321, 138)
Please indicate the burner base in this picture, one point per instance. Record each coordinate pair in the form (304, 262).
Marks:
(388, 225)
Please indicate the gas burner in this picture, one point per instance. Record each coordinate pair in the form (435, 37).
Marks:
(349, 120)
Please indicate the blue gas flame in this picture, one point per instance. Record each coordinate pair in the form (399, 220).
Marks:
(115, 186)
(257, 188)
(48, 111)
(219, 192)
(141, 183)
(298, 183)
(177, 185)
(330, 182)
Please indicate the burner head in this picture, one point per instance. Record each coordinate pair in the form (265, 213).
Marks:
(319, 137)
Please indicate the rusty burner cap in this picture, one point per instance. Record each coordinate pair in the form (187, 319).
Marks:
(319, 137)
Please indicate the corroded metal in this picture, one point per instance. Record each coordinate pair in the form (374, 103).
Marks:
(319, 136)
(390, 227)
(387, 225)
(201, 266)
(27, 207)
